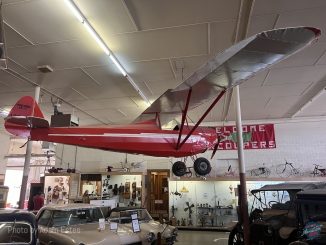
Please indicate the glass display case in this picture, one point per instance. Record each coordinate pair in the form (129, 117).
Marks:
(125, 189)
(206, 204)
(60, 188)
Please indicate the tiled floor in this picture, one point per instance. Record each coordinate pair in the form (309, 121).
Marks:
(202, 238)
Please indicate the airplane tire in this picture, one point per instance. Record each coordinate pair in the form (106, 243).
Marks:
(179, 168)
(202, 166)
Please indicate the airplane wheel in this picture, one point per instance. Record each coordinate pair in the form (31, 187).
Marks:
(179, 168)
(202, 166)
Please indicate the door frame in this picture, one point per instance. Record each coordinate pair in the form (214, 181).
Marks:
(148, 188)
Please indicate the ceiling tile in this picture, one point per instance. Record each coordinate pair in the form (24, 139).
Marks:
(159, 70)
(165, 43)
(107, 103)
(10, 99)
(305, 74)
(277, 6)
(250, 106)
(315, 108)
(112, 85)
(44, 23)
(150, 14)
(189, 65)
(322, 60)
(306, 57)
(255, 81)
(62, 79)
(261, 23)
(107, 16)
(13, 39)
(309, 17)
(62, 55)
(278, 106)
(222, 36)
(276, 90)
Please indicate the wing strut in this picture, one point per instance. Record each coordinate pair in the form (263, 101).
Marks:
(184, 117)
(220, 95)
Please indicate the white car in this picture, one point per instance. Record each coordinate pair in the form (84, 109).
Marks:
(146, 233)
(73, 224)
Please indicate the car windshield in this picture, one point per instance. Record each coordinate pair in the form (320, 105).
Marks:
(272, 200)
(76, 216)
(15, 232)
(125, 216)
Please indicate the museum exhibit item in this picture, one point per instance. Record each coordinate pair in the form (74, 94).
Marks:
(145, 136)
(148, 230)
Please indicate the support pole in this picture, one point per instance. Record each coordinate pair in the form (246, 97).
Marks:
(27, 161)
(242, 171)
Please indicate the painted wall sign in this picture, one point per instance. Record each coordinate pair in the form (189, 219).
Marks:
(258, 136)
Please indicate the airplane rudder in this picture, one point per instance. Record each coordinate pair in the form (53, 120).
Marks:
(26, 106)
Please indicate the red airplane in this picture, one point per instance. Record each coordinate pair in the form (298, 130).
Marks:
(145, 136)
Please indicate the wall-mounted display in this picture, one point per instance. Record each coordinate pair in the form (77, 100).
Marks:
(56, 189)
(125, 189)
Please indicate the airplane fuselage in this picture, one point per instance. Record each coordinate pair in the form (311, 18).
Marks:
(134, 139)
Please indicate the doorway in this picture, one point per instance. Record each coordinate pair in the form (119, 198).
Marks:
(158, 189)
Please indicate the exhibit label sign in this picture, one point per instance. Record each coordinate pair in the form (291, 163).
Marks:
(258, 136)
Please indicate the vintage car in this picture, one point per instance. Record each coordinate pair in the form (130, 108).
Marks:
(273, 217)
(73, 224)
(18, 227)
(311, 207)
(148, 228)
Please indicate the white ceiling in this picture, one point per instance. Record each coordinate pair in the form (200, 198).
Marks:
(152, 39)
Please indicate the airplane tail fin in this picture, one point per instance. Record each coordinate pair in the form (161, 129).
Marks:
(24, 116)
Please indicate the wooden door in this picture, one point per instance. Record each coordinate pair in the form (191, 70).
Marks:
(158, 204)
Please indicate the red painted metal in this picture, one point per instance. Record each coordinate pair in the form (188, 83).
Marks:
(141, 138)
(203, 117)
(184, 116)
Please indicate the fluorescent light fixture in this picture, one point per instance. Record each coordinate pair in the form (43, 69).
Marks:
(96, 37)
(75, 10)
(79, 15)
(114, 60)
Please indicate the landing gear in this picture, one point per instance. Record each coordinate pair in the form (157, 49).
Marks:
(202, 167)
(179, 168)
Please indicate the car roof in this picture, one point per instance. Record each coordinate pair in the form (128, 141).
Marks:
(296, 186)
(312, 194)
(11, 215)
(70, 206)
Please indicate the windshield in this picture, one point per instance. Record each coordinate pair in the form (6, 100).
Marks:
(124, 217)
(15, 232)
(272, 199)
(76, 216)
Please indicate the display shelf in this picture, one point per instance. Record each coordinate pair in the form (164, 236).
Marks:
(248, 178)
(206, 228)
(115, 173)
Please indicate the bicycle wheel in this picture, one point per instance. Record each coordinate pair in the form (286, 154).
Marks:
(283, 171)
(266, 172)
(253, 172)
(296, 172)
